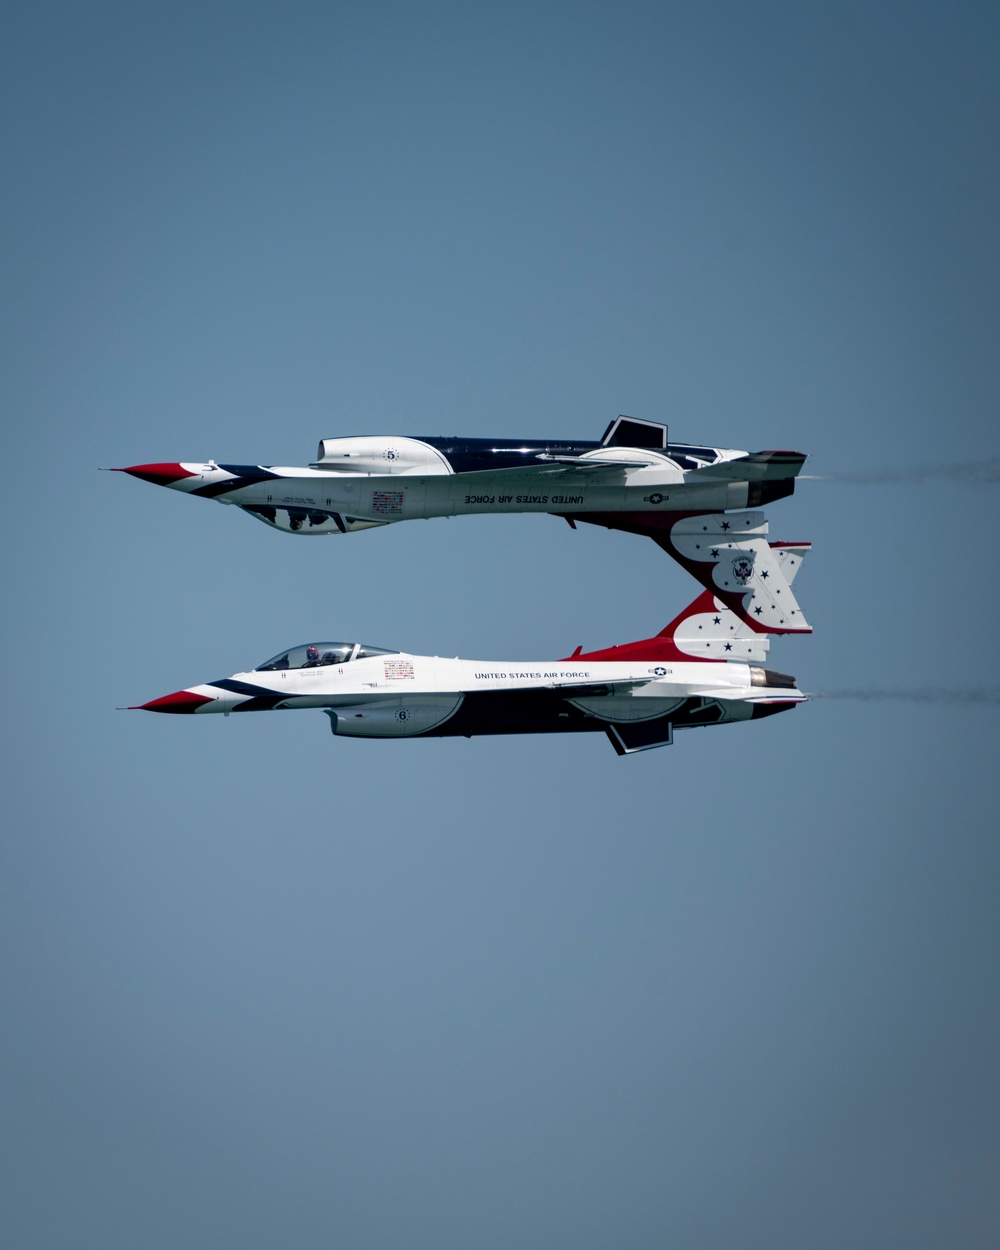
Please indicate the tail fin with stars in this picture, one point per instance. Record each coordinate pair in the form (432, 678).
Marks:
(707, 629)
(729, 553)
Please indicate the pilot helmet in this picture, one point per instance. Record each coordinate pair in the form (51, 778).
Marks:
(312, 653)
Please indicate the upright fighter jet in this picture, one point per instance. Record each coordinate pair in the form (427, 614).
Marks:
(691, 500)
(704, 668)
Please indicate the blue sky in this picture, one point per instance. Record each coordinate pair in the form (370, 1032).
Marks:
(265, 986)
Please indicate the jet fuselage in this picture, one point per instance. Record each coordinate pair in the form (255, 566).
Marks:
(371, 692)
(689, 499)
(357, 483)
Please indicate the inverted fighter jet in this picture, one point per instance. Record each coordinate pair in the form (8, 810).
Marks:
(705, 668)
(690, 500)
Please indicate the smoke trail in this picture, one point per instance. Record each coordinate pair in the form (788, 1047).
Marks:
(973, 472)
(957, 698)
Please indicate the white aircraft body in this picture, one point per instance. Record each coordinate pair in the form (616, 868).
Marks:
(704, 669)
(678, 494)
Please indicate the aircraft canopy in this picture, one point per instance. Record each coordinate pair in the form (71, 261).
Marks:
(319, 654)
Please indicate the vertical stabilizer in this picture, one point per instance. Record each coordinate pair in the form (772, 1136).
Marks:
(790, 557)
(730, 555)
(707, 630)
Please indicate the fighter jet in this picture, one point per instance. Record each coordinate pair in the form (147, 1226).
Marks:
(704, 668)
(634, 479)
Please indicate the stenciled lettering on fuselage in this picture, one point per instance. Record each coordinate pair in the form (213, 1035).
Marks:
(502, 500)
(387, 502)
(521, 676)
(398, 670)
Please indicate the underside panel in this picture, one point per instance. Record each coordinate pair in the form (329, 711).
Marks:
(515, 712)
(535, 712)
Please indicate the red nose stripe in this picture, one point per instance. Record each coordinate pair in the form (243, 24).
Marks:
(180, 701)
(159, 474)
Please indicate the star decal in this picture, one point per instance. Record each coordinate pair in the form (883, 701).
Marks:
(729, 646)
(716, 620)
(725, 525)
(715, 553)
(767, 574)
(759, 611)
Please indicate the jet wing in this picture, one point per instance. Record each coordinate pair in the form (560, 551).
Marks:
(757, 466)
(572, 689)
(563, 466)
(585, 462)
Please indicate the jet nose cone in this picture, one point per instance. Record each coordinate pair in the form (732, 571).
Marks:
(179, 701)
(159, 474)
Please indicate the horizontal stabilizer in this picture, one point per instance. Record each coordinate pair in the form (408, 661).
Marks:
(756, 466)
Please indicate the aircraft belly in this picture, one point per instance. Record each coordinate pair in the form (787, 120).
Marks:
(513, 712)
(698, 712)
(477, 493)
(627, 707)
(380, 499)
(307, 700)
(404, 717)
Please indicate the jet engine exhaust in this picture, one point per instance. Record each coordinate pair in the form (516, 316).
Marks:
(955, 697)
(974, 472)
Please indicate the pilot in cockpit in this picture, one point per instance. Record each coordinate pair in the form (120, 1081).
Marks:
(312, 657)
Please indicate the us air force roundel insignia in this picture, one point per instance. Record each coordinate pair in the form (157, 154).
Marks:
(656, 497)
